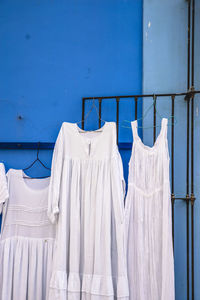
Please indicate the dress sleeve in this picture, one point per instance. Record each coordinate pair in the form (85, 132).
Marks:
(3, 187)
(56, 176)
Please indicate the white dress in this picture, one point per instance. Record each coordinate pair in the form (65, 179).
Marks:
(148, 214)
(86, 199)
(3, 187)
(27, 240)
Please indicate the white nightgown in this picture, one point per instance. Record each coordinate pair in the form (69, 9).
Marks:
(148, 213)
(27, 240)
(86, 199)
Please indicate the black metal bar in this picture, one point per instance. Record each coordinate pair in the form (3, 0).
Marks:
(192, 193)
(192, 148)
(136, 102)
(83, 113)
(192, 237)
(143, 95)
(25, 145)
(193, 33)
(182, 198)
(100, 102)
(43, 145)
(172, 166)
(189, 46)
(188, 200)
(154, 119)
(117, 117)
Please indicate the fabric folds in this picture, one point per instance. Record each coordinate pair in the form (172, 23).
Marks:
(87, 191)
(148, 220)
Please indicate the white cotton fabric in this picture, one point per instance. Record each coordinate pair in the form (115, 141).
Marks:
(3, 187)
(86, 202)
(26, 241)
(148, 212)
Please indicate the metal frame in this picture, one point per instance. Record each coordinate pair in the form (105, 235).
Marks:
(189, 97)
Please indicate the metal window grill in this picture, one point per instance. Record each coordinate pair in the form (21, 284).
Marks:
(189, 95)
(189, 196)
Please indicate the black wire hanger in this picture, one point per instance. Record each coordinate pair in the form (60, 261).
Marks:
(93, 107)
(36, 160)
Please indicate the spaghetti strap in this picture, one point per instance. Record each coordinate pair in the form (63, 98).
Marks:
(164, 127)
(134, 130)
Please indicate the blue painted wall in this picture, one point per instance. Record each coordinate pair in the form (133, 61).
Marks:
(55, 52)
(165, 70)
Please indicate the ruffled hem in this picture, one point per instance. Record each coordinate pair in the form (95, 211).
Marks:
(108, 286)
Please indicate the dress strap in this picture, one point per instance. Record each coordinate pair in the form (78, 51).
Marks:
(134, 129)
(164, 127)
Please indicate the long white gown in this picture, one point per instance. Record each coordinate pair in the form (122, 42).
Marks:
(148, 216)
(26, 241)
(86, 200)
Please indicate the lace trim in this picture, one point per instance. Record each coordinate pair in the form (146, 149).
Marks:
(26, 239)
(26, 208)
(22, 223)
(150, 194)
(90, 284)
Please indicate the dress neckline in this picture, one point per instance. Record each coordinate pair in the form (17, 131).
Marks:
(80, 130)
(32, 190)
(138, 139)
(87, 143)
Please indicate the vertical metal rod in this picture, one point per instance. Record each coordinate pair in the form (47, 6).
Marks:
(136, 102)
(100, 101)
(83, 113)
(193, 33)
(188, 54)
(117, 118)
(188, 201)
(192, 148)
(154, 119)
(192, 192)
(172, 166)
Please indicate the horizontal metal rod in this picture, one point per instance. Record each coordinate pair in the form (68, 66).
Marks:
(183, 198)
(43, 145)
(190, 93)
(26, 145)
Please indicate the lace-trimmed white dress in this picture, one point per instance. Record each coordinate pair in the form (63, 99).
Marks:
(148, 214)
(86, 200)
(3, 187)
(26, 241)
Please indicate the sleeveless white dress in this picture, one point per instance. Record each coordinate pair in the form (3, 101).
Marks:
(26, 241)
(148, 217)
(86, 200)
